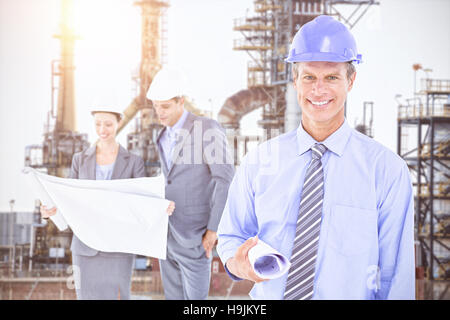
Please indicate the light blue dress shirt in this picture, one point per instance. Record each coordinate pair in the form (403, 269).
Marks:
(169, 139)
(366, 245)
(104, 172)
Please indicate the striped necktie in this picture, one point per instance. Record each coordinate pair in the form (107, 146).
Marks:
(300, 281)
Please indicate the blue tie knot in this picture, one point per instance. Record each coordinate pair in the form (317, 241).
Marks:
(318, 150)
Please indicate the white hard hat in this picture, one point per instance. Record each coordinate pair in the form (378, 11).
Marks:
(106, 102)
(108, 109)
(167, 84)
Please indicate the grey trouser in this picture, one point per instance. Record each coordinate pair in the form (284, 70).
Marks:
(186, 272)
(102, 277)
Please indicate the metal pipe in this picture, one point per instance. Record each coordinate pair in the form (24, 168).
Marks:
(66, 112)
(240, 104)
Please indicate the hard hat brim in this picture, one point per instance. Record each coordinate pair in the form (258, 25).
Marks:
(321, 56)
(106, 111)
(157, 97)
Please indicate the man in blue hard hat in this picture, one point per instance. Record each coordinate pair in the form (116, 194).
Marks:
(339, 205)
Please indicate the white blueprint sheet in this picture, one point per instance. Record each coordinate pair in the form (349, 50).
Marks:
(267, 262)
(120, 215)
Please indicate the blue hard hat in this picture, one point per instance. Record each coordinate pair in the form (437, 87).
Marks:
(323, 39)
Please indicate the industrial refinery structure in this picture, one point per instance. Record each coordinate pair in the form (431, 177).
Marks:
(424, 143)
(36, 255)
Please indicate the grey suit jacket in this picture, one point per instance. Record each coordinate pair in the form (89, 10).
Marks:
(198, 180)
(127, 166)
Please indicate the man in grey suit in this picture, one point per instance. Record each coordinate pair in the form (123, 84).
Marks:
(198, 173)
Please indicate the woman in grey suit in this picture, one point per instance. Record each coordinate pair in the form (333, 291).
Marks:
(97, 274)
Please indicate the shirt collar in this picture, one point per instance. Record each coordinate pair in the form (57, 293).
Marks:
(336, 142)
(178, 124)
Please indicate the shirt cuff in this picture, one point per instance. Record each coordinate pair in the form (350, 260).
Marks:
(232, 276)
(225, 256)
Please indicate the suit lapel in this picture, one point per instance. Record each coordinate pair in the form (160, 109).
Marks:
(120, 163)
(188, 124)
(162, 158)
(89, 162)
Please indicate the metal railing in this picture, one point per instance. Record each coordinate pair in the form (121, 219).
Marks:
(256, 79)
(419, 110)
(256, 44)
(262, 6)
(245, 23)
(436, 85)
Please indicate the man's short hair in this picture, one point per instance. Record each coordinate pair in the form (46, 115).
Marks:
(177, 99)
(350, 70)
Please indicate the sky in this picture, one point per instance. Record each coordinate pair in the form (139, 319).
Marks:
(391, 37)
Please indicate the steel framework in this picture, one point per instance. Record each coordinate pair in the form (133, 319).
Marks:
(426, 120)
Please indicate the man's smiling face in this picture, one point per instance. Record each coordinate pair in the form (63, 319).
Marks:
(322, 89)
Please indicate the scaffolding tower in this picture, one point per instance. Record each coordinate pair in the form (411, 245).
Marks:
(141, 139)
(424, 143)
